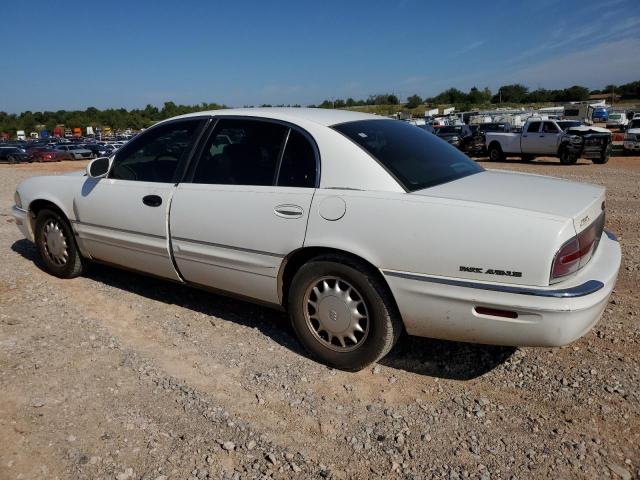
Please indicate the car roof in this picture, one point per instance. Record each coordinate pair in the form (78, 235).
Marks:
(322, 116)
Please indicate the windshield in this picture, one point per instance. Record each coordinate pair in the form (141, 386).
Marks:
(570, 124)
(416, 158)
(635, 123)
(492, 127)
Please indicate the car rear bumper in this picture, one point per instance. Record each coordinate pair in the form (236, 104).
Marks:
(630, 145)
(21, 218)
(545, 316)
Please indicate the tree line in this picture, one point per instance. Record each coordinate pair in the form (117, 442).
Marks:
(121, 118)
(116, 118)
(513, 93)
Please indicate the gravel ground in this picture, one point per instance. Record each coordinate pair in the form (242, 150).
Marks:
(118, 376)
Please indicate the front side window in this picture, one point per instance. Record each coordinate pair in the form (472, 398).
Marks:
(155, 155)
(416, 158)
(533, 127)
(241, 152)
(549, 127)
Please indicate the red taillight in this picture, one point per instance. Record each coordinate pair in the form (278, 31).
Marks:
(575, 253)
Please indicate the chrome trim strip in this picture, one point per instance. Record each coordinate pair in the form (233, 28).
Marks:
(229, 247)
(611, 235)
(191, 259)
(587, 288)
(21, 210)
(118, 229)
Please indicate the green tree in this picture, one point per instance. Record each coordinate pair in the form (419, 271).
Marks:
(414, 101)
(515, 93)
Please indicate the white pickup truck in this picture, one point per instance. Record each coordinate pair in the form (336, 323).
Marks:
(547, 138)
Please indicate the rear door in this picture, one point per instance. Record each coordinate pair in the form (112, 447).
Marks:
(530, 138)
(122, 219)
(244, 206)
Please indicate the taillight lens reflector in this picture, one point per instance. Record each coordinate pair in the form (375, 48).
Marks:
(575, 253)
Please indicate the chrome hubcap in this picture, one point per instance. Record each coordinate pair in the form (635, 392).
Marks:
(55, 244)
(336, 314)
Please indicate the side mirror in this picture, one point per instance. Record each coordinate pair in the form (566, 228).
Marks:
(98, 168)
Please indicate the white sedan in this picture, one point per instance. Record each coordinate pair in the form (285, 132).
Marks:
(357, 225)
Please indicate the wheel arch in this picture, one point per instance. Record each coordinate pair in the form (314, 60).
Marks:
(494, 143)
(296, 259)
(35, 206)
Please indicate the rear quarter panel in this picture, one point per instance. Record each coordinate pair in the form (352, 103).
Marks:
(509, 142)
(433, 236)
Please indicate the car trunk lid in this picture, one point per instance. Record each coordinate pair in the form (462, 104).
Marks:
(580, 202)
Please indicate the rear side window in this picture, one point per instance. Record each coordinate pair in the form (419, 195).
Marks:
(533, 127)
(416, 158)
(241, 152)
(298, 166)
(154, 156)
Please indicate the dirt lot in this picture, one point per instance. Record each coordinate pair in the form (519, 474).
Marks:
(118, 376)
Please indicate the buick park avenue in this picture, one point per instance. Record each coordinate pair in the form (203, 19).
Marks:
(358, 226)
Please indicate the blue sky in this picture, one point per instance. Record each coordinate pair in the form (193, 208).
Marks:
(66, 55)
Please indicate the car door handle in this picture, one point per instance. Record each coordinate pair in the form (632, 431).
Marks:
(288, 211)
(542, 136)
(152, 200)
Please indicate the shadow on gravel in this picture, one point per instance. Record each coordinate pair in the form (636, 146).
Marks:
(423, 356)
(444, 359)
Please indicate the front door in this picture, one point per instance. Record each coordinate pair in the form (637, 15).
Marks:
(122, 219)
(245, 207)
(550, 138)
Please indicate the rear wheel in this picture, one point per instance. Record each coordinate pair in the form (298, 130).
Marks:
(342, 313)
(57, 246)
(495, 153)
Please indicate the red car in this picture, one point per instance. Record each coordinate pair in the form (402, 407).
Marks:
(43, 155)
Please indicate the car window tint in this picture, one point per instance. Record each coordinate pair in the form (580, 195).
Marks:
(241, 152)
(416, 158)
(154, 156)
(533, 127)
(298, 167)
(549, 127)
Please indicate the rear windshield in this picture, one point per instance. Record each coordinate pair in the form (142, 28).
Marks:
(450, 130)
(415, 157)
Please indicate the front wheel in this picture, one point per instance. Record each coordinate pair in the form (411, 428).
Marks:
(567, 158)
(57, 246)
(342, 313)
(11, 159)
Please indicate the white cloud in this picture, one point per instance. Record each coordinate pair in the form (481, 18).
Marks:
(613, 62)
(469, 47)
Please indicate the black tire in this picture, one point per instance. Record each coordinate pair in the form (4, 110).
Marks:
(11, 159)
(382, 326)
(602, 160)
(63, 266)
(495, 153)
(567, 158)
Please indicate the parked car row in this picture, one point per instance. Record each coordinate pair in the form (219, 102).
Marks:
(49, 151)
